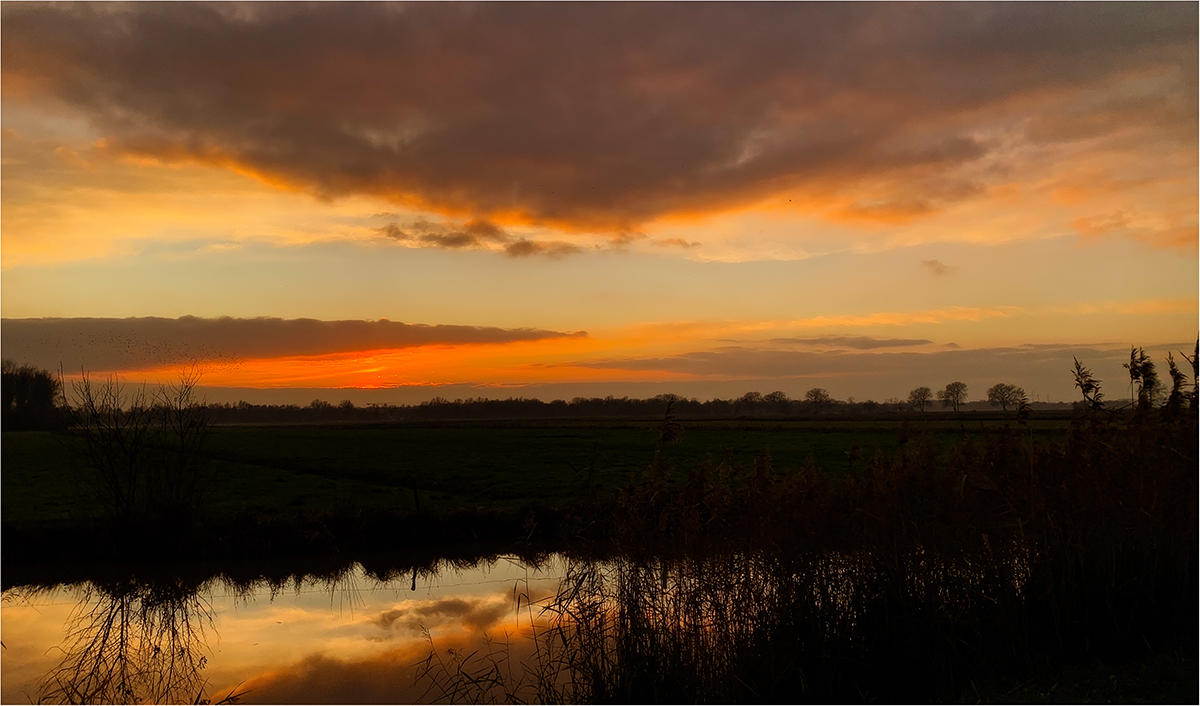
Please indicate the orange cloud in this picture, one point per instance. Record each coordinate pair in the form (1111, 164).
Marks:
(611, 128)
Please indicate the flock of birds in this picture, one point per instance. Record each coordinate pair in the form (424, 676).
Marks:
(112, 349)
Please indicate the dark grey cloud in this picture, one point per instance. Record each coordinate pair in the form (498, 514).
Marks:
(857, 342)
(937, 267)
(603, 115)
(472, 234)
(104, 344)
(475, 233)
(676, 243)
(525, 248)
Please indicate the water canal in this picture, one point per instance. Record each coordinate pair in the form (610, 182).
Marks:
(351, 637)
(726, 626)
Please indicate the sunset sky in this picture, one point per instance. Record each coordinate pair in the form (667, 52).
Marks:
(554, 200)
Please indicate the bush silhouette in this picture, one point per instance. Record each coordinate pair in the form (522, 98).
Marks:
(31, 398)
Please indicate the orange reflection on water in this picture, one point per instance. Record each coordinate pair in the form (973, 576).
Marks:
(347, 640)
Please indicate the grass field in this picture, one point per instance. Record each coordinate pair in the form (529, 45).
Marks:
(469, 465)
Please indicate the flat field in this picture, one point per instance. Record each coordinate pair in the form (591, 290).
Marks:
(473, 464)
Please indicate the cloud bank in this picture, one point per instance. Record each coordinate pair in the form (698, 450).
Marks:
(109, 344)
(606, 116)
(1043, 369)
(743, 361)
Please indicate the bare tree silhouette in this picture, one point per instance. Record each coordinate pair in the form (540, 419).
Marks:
(920, 397)
(144, 449)
(954, 395)
(1003, 394)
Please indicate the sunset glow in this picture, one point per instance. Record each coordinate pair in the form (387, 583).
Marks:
(683, 198)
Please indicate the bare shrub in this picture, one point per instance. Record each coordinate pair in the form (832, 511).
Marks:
(143, 450)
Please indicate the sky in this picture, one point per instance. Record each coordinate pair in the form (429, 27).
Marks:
(388, 203)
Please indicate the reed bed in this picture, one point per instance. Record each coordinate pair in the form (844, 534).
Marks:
(920, 577)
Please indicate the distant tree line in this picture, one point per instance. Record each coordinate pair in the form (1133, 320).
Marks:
(817, 402)
(34, 399)
(753, 404)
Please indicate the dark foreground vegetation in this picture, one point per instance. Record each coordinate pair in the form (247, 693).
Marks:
(967, 572)
(1012, 573)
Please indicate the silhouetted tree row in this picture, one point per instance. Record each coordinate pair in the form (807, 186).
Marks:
(33, 399)
(775, 405)
(752, 404)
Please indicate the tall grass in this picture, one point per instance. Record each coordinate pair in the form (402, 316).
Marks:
(917, 578)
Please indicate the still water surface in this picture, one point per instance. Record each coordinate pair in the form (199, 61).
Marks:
(350, 638)
(721, 626)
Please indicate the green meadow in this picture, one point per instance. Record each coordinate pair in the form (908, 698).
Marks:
(449, 466)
